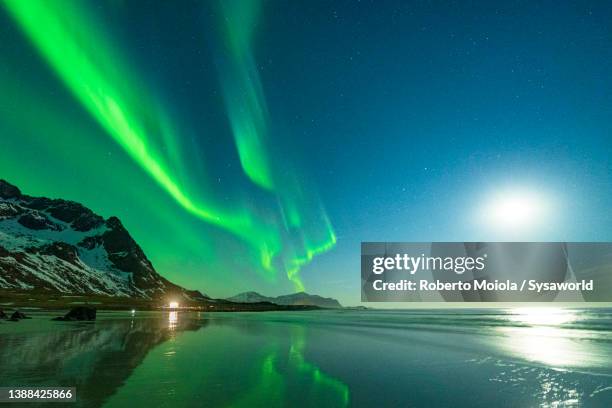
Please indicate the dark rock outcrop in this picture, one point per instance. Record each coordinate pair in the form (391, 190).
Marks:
(17, 315)
(127, 255)
(87, 221)
(79, 313)
(61, 250)
(8, 190)
(2, 314)
(80, 217)
(37, 221)
(10, 210)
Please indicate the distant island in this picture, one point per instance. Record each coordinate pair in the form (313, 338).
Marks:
(300, 298)
(56, 253)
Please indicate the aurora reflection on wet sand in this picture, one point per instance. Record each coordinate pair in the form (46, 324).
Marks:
(476, 358)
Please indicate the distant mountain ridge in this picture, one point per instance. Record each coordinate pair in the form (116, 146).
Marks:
(63, 246)
(300, 298)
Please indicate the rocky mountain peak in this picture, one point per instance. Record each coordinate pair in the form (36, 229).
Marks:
(61, 245)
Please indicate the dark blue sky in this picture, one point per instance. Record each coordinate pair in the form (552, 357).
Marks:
(416, 112)
(405, 117)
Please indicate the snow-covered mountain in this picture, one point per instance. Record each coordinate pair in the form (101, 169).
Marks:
(62, 246)
(294, 299)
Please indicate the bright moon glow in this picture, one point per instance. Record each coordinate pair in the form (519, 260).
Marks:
(515, 210)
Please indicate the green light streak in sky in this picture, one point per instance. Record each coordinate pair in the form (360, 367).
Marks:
(294, 264)
(81, 55)
(91, 70)
(249, 117)
(244, 97)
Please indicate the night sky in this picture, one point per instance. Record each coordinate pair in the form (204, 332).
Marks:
(253, 146)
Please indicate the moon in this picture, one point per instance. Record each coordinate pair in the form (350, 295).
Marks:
(516, 210)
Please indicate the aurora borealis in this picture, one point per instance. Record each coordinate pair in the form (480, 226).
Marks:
(250, 145)
(93, 71)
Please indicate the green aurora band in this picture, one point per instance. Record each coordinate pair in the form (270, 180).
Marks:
(249, 118)
(244, 97)
(81, 55)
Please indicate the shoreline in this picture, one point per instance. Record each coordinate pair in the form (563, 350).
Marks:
(36, 300)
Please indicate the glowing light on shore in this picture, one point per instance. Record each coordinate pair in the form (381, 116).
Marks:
(172, 320)
(173, 305)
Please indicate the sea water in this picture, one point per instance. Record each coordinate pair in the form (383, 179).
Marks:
(526, 357)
